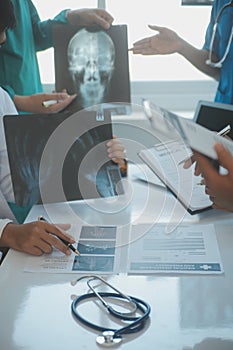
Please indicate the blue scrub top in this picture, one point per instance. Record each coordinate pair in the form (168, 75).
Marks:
(225, 87)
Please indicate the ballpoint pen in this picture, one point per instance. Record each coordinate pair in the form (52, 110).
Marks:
(49, 103)
(222, 132)
(69, 245)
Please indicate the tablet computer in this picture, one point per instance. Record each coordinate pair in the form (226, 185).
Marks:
(214, 116)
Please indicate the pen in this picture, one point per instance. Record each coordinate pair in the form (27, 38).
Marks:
(222, 132)
(48, 103)
(69, 245)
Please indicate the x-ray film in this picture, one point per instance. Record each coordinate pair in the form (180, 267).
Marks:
(55, 158)
(93, 63)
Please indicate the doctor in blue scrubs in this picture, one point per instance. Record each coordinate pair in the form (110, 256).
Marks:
(215, 58)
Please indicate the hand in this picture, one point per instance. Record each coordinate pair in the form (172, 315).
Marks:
(116, 151)
(90, 17)
(163, 43)
(189, 162)
(218, 187)
(36, 238)
(34, 103)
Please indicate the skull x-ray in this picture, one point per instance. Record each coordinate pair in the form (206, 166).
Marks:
(92, 63)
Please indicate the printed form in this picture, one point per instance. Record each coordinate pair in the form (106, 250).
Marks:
(188, 249)
(149, 249)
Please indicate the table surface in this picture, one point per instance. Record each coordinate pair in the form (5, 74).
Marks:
(188, 311)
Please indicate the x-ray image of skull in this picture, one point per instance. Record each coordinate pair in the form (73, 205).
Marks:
(91, 63)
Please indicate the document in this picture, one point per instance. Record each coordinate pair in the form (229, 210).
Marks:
(188, 249)
(97, 246)
(191, 249)
(144, 174)
(193, 135)
(165, 160)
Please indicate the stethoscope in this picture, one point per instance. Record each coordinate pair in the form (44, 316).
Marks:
(110, 336)
(209, 61)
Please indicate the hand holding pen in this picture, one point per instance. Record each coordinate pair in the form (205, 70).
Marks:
(67, 243)
(190, 160)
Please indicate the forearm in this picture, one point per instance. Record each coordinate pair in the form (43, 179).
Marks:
(22, 103)
(198, 59)
(42, 30)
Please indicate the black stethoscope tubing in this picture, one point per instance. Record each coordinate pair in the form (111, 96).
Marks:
(136, 325)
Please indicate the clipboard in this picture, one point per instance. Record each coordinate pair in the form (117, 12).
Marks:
(164, 160)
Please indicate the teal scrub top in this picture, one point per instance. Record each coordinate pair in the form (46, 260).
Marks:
(19, 71)
(225, 86)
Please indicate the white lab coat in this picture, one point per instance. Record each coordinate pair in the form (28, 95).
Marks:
(6, 190)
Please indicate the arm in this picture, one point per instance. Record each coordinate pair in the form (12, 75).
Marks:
(168, 42)
(35, 238)
(42, 30)
(218, 187)
(34, 103)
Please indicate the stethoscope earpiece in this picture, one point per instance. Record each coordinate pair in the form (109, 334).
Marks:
(212, 64)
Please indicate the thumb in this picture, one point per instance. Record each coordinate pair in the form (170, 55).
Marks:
(224, 157)
(154, 27)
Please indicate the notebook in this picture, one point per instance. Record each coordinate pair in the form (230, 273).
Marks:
(164, 160)
(57, 158)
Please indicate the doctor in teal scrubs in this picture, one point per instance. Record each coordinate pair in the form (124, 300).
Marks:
(19, 71)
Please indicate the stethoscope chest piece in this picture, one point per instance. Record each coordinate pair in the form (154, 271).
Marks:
(108, 338)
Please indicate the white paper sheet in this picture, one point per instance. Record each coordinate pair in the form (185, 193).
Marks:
(165, 160)
(188, 249)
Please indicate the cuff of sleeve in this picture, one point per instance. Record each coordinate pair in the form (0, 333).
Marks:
(9, 90)
(124, 169)
(61, 17)
(3, 223)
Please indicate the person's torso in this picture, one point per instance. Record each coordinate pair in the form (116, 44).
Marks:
(223, 40)
(18, 61)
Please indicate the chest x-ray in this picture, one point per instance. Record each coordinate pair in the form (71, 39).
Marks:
(92, 63)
